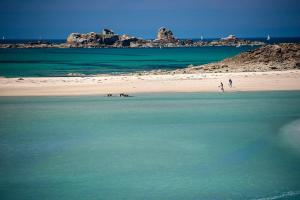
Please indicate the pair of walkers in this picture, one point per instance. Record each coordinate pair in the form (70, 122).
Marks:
(222, 86)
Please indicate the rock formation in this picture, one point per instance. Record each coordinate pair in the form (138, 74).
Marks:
(93, 39)
(107, 38)
(165, 35)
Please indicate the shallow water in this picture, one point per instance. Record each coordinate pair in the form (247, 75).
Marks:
(160, 146)
(61, 62)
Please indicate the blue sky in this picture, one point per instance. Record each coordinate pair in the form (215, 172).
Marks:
(55, 19)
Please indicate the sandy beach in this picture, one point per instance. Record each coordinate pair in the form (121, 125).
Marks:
(102, 85)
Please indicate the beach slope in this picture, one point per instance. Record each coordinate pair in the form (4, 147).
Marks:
(102, 85)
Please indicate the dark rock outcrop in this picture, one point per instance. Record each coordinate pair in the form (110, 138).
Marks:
(107, 32)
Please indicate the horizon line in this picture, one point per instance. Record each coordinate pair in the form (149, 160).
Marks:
(182, 38)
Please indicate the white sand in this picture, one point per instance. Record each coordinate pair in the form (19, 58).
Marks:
(209, 82)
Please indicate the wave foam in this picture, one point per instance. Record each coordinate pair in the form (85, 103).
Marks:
(283, 195)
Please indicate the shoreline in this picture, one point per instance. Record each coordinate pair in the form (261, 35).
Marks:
(162, 83)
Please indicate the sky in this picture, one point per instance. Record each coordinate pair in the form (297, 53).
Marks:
(56, 19)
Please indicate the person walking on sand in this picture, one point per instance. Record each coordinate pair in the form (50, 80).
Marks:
(222, 87)
(230, 82)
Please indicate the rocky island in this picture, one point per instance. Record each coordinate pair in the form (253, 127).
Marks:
(107, 38)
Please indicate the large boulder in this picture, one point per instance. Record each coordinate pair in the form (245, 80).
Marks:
(73, 37)
(107, 32)
(77, 38)
(108, 39)
(92, 38)
(125, 40)
(165, 34)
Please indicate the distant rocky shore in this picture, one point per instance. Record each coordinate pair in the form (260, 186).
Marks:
(107, 38)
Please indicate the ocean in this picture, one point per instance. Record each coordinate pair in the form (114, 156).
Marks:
(61, 62)
(242, 145)
(65, 62)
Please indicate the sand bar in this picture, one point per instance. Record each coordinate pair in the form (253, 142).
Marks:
(101, 85)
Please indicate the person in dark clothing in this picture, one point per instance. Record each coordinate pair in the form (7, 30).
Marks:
(230, 82)
(222, 87)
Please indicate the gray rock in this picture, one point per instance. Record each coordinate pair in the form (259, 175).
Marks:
(165, 34)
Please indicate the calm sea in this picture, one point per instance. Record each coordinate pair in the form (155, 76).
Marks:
(61, 62)
(174, 146)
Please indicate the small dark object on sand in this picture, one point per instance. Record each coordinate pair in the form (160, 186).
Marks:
(124, 95)
(20, 79)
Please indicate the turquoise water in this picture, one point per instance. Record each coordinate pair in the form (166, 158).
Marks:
(60, 62)
(173, 146)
